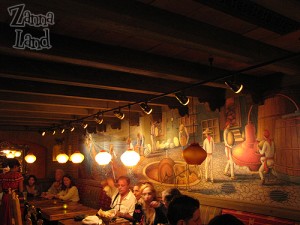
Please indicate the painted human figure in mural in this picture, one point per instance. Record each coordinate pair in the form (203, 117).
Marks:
(140, 143)
(153, 137)
(209, 147)
(267, 160)
(183, 136)
(228, 153)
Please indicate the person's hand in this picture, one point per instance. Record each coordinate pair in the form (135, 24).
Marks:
(155, 204)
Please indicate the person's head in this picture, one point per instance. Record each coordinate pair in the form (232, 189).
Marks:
(184, 210)
(31, 180)
(137, 191)
(13, 164)
(148, 193)
(59, 173)
(123, 185)
(168, 194)
(67, 182)
(225, 219)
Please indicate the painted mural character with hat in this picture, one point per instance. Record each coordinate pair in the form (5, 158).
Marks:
(267, 160)
(228, 152)
(209, 147)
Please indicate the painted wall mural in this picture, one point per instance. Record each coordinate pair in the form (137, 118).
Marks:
(261, 167)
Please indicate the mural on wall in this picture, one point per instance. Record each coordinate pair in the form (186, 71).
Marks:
(263, 167)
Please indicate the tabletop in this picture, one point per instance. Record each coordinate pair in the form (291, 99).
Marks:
(68, 211)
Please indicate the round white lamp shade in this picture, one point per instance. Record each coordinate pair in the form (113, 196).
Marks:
(10, 155)
(62, 158)
(130, 158)
(103, 157)
(17, 153)
(30, 158)
(77, 157)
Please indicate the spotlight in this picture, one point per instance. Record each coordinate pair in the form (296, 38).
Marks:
(62, 130)
(72, 129)
(53, 132)
(119, 114)
(146, 108)
(182, 98)
(236, 88)
(98, 118)
(84, 125)
(43, 133)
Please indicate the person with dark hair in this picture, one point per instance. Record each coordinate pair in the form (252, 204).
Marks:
(184, 210)
(32, 188)
(10, 181)
(124, 200)
(225, 219)
(69, 191)
(168, 194)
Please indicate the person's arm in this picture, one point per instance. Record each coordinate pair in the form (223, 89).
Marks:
(21, 184)
(73, 191)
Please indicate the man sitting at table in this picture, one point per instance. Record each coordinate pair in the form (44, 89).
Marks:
(55, 188)
(124, 200)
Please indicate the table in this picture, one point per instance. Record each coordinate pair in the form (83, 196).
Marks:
(119, 221)
(47, 203)
(72, 210)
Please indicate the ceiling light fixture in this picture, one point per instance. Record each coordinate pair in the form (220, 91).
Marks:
(103, 157)
(119, 114)
(130, 157)
(62, 158)
(236, 88)
(30, 158)
(183, 99)
(98, 118)
(146, 108)
(77, 157)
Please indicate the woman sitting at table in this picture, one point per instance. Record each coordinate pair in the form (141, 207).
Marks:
(69, 191)
(32, 188)
(146, 211)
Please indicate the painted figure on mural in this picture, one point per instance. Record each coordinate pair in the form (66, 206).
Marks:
(183, 136)
(209, 147)
(153, 137)
(267, 160)
(228, 152)
(140, 140)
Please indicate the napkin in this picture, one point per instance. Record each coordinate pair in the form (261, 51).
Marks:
(92, 220)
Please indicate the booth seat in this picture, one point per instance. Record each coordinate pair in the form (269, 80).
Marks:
(91, 194)
(258, 219)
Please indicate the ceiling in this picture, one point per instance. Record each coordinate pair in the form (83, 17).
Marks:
(108, 54)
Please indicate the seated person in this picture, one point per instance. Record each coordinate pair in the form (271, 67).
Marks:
(69, 191)
(225, 219)
(146, 211)
(31, 186)
(184, 209)
(55, 188)
(123, 201)
(109, 187)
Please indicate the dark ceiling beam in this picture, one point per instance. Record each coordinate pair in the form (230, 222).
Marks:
(50, 100)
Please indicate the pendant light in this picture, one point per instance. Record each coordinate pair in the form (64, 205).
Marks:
(30, 158)
(62, 158)
(77, 157)
(130, 157)
(103, 158)
(17, 153)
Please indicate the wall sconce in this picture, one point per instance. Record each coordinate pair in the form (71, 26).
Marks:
(62, 158)
(77, 157)
(30, 158)
(17, 153)
(236, 88)
(103, 158)
(10, 155)
(146, 108)
(119, 114)
(182, 98)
